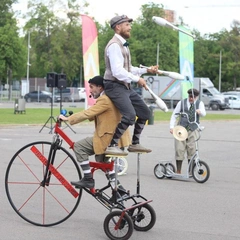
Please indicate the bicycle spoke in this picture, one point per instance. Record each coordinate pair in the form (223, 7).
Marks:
(40, 203)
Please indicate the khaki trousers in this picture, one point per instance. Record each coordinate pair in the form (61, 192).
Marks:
(188, 146)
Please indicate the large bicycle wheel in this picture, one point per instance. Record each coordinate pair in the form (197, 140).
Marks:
(143, 217)
(122, 165)
(117, 229)
(159, 171)
(38, 204)
(200, 172)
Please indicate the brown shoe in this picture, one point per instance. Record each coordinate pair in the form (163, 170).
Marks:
(138, 148)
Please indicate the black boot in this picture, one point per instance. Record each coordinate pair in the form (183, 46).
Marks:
(84, 182)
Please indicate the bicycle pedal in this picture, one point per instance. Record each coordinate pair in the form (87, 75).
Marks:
(98, 192)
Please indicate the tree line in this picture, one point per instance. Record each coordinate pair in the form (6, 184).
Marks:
(56, 44)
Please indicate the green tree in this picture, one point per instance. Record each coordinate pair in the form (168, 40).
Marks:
(12, 52)
(56, 41)
(230, 42)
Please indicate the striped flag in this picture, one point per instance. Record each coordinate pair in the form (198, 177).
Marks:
(90, 54)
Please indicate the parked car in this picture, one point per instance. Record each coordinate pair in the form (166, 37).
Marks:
(234, 101)
(82, 94)
(231, 93)
(68, 95)
(38, 96)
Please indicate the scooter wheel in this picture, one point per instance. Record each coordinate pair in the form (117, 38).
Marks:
(159, 171)
(200, 172)
(170, 169)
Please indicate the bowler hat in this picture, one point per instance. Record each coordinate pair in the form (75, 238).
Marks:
(119, 19)
(97, 80)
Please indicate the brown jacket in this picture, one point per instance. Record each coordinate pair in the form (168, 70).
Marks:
(106, 117)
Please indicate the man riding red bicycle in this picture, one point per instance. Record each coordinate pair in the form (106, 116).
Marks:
(106, 117)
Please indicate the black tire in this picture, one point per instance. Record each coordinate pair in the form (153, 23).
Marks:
(200, 172)
(160, 171)
(29, 100)
(143, 217)
(66, 99)
(42, 205)
(214, 106)
(125, 229)
(171, 167)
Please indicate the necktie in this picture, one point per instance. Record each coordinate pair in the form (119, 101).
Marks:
(191, 114)
(126, 44)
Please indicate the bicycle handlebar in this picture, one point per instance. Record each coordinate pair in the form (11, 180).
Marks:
(199, 128)
(64, 113)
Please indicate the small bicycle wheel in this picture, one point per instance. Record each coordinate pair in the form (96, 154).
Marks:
(170, 169)
(143, 217)
(39, 204)
(160, 171)
(200, 171)
(122, 165)
(118, 229)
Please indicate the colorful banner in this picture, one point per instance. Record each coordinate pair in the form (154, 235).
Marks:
(186, 59)
(90, 54)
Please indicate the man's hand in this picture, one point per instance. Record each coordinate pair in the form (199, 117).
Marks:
(142, 83)
(62, 117)
(171, 130)
(198, 111)
(153, 69)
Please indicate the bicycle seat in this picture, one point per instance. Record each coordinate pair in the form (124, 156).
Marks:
(102, 165)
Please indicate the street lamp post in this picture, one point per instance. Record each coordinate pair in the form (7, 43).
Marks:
(163, 22)
(220, 71)
(28, 64)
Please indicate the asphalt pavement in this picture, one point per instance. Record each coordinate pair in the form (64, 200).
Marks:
(185, 209)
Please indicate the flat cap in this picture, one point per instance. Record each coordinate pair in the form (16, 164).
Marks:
(193, 91)
(119, 19)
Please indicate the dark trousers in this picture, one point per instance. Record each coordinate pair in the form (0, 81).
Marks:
(129, 103)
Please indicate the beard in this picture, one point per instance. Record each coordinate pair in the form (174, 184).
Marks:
(96, 95)
(125, 35)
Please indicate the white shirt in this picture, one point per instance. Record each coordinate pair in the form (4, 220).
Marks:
(178, 109)
(116, 59)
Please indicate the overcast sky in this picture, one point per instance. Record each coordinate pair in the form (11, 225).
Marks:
(207, 16)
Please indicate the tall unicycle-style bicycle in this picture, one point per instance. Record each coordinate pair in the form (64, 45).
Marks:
(37, 184)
